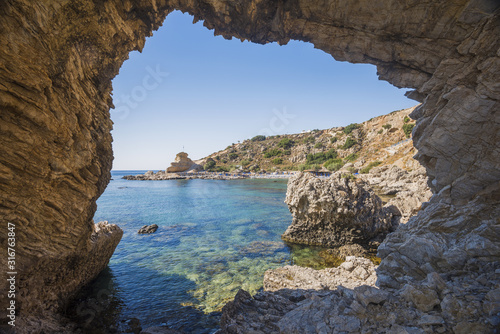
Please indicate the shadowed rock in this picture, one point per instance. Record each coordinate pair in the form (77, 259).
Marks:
(147, 229)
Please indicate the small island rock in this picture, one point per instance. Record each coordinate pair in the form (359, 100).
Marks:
(147, 229)
(334, 212)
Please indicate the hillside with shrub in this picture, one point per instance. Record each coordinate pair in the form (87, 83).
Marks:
(355, 148)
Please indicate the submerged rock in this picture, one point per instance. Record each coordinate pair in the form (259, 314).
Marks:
(334, 212)
(345, 251)
(147, 229)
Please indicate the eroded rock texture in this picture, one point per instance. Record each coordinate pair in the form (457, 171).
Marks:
(334, 212)
(58, 58)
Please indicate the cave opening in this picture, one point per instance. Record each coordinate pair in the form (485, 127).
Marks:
(189, 90)
(60, 57)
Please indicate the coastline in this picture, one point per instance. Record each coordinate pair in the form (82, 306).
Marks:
(162, 175)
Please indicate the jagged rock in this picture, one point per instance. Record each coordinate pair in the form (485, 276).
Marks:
(410, 189)
(182, 164)
(442, 238)
(423, 298)
(146, 229)
(334, 212)
(366, 294)
(432, 305)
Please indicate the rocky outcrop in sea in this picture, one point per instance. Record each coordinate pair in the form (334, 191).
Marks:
(183, 164)
(334, 212)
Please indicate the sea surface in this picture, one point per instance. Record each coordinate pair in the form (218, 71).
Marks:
(214, 237)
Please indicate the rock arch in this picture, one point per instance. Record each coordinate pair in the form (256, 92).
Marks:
(58, 58)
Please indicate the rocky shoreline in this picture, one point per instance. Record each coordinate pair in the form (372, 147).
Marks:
(359, 296)
(346, 300)
(162, 175)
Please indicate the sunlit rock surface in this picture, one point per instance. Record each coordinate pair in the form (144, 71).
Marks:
(334, 212)
(182, 163)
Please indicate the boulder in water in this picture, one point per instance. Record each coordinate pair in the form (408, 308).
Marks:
(334, 212)
(148, 229)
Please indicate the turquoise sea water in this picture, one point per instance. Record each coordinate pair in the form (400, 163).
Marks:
(214, 237)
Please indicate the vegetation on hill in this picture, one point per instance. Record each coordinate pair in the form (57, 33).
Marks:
(355, 148)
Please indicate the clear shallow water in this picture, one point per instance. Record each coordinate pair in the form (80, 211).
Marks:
(214, 237)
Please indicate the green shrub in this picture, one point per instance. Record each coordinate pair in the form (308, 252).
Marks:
(387, 126)
(277, 161)
(217, 158)
(220, 169)
(272, 153)
(258, 138)
(366, 170)
(380, 131)
(255, 168)
(287, 152)
(209, 165)
(321, 157)
(407, 129)
(233, 156)
(351, 170)
(303, 167)
(334, 165)
(224, 161)
(348, 129)
(286, 143)
(245, 162)
(349, 143)
(333, 140)
(351, 157)
(318, 145)
(348, 176)
(406, 119)
(309, 140)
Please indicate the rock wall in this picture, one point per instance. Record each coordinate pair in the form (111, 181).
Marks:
(58, 58)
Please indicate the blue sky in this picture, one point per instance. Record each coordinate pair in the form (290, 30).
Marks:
(189, 89)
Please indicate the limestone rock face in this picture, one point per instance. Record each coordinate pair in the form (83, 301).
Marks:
(410, 189)
(58, 59)
(181, 164)
(442, 238)
(334, 212)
